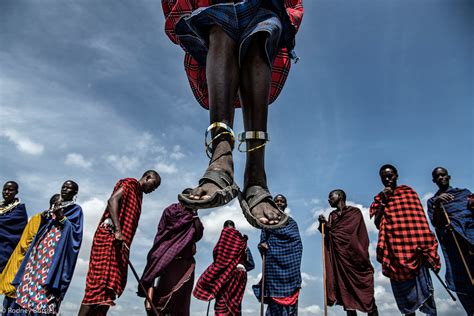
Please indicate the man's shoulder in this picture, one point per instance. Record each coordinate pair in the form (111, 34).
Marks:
(128, 181)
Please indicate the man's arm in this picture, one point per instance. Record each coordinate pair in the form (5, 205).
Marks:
(199, 228)
(113, 206)
(379, 205)
(322, 220)
(440, 217)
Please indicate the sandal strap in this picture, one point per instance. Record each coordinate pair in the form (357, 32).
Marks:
(220, 178)
(256, 194)
(258, 135)
(228, 131)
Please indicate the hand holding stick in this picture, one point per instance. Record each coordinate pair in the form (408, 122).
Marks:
(148, 299)
(420, 251)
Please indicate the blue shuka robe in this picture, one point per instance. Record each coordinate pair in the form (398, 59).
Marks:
(462, 223)
(11, 228)
(65, 255)
(283, 263)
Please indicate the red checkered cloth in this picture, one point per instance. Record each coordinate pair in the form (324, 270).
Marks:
(221, 278)
(403, 229)
(107, 274)
(174, 10)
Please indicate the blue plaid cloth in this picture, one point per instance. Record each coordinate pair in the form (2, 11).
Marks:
(415, 294)
(240, 21)
(283, 261)
(275, 309)
(462, 222)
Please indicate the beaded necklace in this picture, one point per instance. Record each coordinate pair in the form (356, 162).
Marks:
(7, 208)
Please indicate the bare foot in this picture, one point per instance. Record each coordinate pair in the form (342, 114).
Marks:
(221, 161)
(266, 213)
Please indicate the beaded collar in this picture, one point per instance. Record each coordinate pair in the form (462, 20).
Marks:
(7, 208)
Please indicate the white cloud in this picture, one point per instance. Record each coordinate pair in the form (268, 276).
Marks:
(214, 220)
(311, 310)
(308, 278)
(77, 160)
(162, 167)
(177, 154)
(123, 163)
(23, 143)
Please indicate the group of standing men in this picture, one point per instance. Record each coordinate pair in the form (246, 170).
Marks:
(406, 247)
(38, 257)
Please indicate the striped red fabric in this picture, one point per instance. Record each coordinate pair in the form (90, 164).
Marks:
(174, 10)
(222, 279)
(107, 274)
(403, 229)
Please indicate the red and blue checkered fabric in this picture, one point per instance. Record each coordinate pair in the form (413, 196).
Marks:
(107, 274)
(403, 229)
(222, 278)
(283, 261)
(174, 10)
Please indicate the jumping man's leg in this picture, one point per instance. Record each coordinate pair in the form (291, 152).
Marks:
(222, 80)
(255, 83)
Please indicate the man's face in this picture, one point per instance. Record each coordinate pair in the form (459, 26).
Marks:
(9, 191)
(68, 191)
(441, 177)
(334, 199)
(281, 203)
(389, 178)
(151, 184)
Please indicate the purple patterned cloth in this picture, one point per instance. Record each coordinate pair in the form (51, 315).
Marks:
(176, 230)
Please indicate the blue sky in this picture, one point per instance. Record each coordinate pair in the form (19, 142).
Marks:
(94, 91)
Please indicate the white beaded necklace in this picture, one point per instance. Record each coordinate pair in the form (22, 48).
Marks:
(7, 208)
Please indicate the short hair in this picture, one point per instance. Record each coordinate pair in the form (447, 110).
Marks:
(340, 192)
(388, 166)
(54, 199)
(282, 196)
(229, 223)
(434, 170)
(74, 184)
(12, 182)
(151, 172)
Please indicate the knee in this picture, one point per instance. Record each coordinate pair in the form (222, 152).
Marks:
(218, 38)
(256, 51)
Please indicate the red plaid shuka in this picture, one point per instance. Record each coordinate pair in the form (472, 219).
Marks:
(174, 10)
(403, 229)
(107, 274)
(222, 278)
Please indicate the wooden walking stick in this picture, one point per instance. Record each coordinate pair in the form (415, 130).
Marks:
(208, 307)
(324, 272)
(420, 251)
(450, 228)
(148, 299)
(262, 286)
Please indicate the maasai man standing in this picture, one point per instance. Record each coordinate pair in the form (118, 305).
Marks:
(47, 269)
(169, 272)
(237, 54)
(455, 204)
(225, 279)
(13, 219)
(406, 247)
(283, 250)
(349, 273)
(108, 264)
(11, 269)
